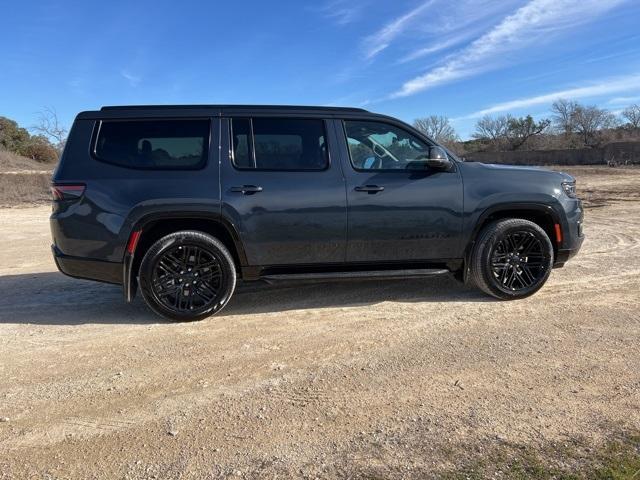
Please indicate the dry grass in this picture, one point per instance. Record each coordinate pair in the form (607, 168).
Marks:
(600, 186)
(10, 162)
(23, 181)
(24, 188)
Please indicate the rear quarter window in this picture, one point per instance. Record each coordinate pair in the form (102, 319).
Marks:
(153, 144)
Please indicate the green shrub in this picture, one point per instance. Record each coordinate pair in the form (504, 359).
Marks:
(12, 137)
(16, 139)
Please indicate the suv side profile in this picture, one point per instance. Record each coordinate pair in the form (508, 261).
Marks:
(181, 202)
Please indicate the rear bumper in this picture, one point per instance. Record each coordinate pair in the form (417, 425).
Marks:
(88, 269)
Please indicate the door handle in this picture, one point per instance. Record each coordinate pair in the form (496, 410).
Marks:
(369, 188)
(247, 189)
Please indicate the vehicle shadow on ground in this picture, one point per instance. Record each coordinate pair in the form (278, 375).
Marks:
(50, 298)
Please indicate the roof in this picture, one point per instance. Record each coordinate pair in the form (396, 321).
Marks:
(233, 107)
(194, 111)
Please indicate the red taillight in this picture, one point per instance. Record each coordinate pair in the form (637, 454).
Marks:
(133, 241)
(67, 192)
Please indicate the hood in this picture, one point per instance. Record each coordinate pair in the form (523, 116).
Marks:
(541, 170)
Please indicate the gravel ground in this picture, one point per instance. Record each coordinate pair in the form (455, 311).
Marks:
(375, 379)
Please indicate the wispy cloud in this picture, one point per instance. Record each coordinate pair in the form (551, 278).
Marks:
(380, 40)
(134, 80)
(535, 21)
(341, 12)
(457, 22)
(630, 83)
(436, 47)
(624, 100)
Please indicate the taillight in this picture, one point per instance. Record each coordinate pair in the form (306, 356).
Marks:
(67, 192)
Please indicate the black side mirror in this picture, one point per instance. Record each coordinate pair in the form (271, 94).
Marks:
(438, 158)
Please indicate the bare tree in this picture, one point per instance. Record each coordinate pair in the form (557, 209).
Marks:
(564, 115)
(493, 130)
(50, 127)
(521, 130)
(632, 115)
(590, 121)
(438, 128)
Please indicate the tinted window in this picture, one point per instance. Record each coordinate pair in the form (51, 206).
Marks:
(382, 146)
(242, 149)
(172, 144)
(279, 144)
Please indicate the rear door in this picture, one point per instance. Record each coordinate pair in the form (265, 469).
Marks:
(398, 209)
(283, 190)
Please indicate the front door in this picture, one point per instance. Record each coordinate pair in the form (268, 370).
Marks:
(283, 191)
(399, 210)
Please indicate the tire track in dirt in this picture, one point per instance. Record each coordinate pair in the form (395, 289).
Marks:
(394, 374)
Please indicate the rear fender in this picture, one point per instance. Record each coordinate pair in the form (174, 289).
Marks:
(133, 257)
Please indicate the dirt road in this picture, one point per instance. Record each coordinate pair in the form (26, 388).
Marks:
(374, 379)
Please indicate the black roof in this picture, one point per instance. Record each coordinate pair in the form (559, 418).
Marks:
(195, 111)
(233, 107)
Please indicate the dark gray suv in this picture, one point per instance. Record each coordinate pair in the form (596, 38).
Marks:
(181, 201)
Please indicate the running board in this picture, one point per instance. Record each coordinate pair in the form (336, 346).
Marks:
(371, 274)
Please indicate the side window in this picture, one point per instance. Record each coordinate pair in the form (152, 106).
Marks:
(242, 146)
(382, 146)
(279, 144)
(153, 144)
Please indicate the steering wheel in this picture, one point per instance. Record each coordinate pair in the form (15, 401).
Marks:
(379, 151)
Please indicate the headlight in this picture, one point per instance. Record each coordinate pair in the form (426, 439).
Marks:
(570, 189)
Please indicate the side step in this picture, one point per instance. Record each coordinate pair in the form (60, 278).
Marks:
(362, 275)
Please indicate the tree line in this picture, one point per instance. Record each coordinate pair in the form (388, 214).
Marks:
(571, 125)
(42, 142)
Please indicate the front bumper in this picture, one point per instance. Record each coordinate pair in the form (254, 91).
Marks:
(565, 254)
(571, 224)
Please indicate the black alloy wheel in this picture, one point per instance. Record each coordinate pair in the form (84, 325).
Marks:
(518, 260)
(511, 259)
(187, 278)
(187, 275)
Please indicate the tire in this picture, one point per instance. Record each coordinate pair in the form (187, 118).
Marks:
(511, 259)
(187, 276)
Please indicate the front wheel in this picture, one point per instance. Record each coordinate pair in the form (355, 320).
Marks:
(512, 259)
(187, 276)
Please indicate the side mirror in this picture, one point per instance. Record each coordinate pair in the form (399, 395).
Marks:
(438, 158)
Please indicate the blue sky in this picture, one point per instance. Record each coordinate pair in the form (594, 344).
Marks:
(407, 58)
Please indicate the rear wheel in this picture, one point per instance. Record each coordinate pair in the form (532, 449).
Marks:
(512, 259)
(187, 276)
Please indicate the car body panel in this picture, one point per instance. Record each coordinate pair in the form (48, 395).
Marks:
(489, 189)
(300, 218)
(117, 198)
(418, 215)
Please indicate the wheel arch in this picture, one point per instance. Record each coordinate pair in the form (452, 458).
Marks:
(155, 226)
(541, 214)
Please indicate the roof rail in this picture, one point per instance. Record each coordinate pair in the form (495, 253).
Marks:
(231, 107)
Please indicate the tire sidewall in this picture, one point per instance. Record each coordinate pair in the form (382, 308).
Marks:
(489, 244)
(199, 239)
